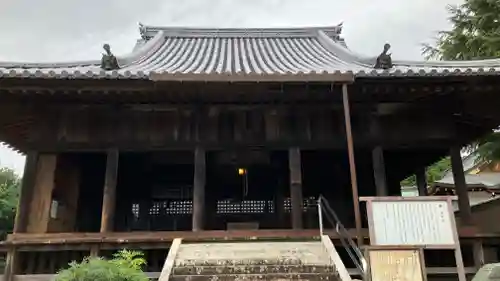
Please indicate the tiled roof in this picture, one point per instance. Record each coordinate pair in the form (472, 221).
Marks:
(243, 54)
(483, 180)
(477, 198)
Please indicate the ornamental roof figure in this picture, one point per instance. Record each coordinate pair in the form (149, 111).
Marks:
(108, 60)
(384, 60)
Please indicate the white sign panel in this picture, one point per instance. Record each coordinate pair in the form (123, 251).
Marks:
(412, 223)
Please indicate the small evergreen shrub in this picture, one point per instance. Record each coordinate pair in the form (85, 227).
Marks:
(125, 266)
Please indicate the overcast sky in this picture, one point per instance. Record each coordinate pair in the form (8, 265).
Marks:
(61, 30)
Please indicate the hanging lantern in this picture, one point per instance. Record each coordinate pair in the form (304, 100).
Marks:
(242, 171)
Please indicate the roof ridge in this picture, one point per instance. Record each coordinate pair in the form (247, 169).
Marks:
(173, 31)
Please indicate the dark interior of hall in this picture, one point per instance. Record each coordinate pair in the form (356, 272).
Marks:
(155, 189)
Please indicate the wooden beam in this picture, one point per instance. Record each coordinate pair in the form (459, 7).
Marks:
(27, 189)
(109, 193)
(295, 166)
(199, 189)
(75, 238)
(146, 146)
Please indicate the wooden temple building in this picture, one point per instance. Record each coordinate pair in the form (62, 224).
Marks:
(222, 133)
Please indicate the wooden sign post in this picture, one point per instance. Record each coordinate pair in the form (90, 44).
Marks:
(423, 222)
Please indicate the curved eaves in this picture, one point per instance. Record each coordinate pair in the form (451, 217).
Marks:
(147, 49)
(343, 53)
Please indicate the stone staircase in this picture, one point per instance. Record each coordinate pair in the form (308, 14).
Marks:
(221, 261)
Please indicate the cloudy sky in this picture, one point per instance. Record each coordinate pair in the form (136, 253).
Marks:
(61, 30)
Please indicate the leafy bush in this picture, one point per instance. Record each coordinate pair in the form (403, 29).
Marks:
(131, 259)
(125, 266)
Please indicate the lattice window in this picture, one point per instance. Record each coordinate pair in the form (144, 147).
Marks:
(245, 207)
(155, 209)
(287, 205)
(270, 206)
(135, 210)
(185, 207)
(181, 207)
(307, 204)
(178, 207)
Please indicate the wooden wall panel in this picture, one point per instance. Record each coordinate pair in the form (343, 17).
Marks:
(226, 126)
(209, 127)
(240, 125)
(223, 124)
(158, 127)
(272, 125)
(185, 125)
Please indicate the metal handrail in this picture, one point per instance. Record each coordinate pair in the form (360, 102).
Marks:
(347, 242)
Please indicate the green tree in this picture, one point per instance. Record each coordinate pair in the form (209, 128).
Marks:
(475, 34)
(9, 193)
(433, 173)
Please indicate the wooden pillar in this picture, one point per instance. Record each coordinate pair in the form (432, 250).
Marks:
(379, 171)
(460, 185)
(27, 187)
(94, 250)
(352, 164)
(478, 252)
(199, 188)
(41, 198)
(421, 176)
(109, 194)
(11, 264)
(295, 187)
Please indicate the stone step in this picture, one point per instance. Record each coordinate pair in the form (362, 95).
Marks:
(238, 262)
(253, 277)
(292, 252)
(252, 269)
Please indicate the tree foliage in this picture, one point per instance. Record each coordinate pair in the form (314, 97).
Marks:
(487, 148)
(132, 259)
(433, 173)
(125, 266)
(475, 33)
(9, 193)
